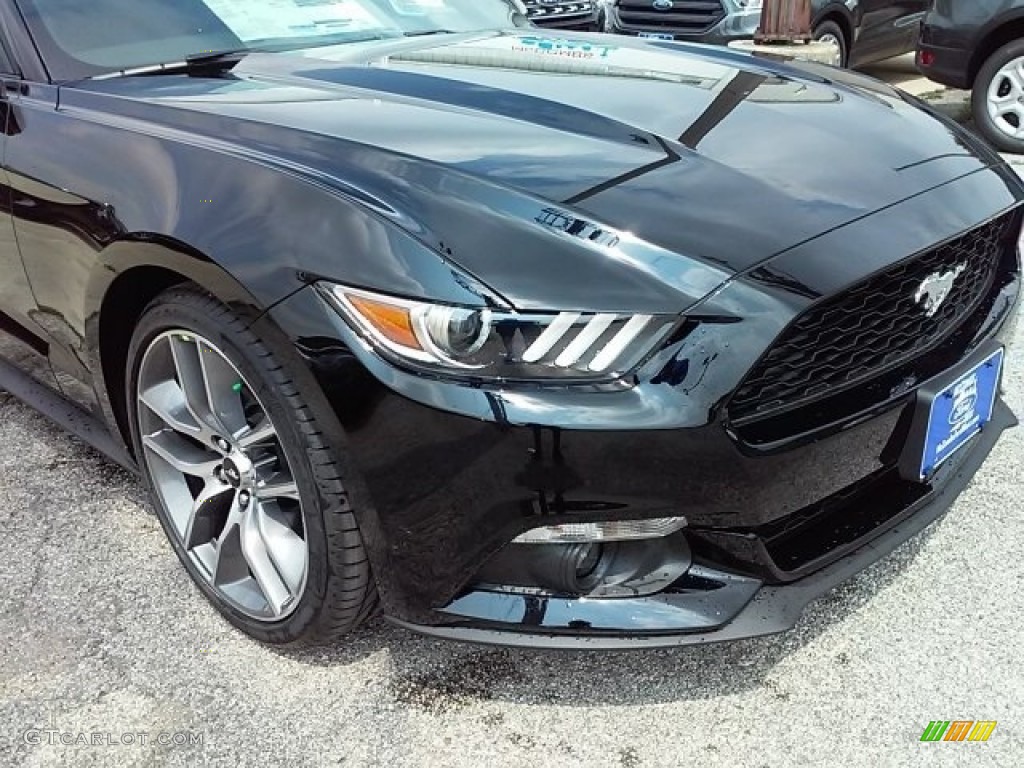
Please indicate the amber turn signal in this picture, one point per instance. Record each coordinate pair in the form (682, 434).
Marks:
(392, 322)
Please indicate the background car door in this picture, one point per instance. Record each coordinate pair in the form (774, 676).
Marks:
(888, 27)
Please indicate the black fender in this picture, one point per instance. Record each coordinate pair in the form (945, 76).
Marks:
(248, 229)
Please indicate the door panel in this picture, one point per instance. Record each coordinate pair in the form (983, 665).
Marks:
(888, 27)
(16, 301)
(55, 236)
(21, 341)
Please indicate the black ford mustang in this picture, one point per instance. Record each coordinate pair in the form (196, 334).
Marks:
(564, 341)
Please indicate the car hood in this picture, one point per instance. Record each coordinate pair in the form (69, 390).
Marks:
(687, 163)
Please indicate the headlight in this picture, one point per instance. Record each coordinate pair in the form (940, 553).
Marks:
(452, 333)
(747, 6)
(488, 344)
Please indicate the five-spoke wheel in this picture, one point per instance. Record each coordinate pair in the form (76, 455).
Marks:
(245, 485)
(218, 467)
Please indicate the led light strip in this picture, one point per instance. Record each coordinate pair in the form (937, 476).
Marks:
(551, 336)
(609, 530)
(594, 329)
(619, 342)
(585, 340)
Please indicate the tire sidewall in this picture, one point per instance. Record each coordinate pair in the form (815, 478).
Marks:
(979, 97)
(168, 314)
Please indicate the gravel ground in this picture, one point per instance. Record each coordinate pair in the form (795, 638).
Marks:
(101, 632)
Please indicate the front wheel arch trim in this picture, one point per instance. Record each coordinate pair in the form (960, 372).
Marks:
(127, 276)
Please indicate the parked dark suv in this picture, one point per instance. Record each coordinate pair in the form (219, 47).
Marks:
(865, 30)
(979, 44)
(562, 14)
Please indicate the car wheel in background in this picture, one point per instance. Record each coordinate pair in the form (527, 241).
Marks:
(998, 98)
(830, 32)
(242, 481)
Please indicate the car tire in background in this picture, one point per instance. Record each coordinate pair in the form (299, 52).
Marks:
(997, 96)
(246, 488)
(830, 31)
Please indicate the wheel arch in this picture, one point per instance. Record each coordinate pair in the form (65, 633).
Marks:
(1003, 31)
(841, 15)
(128, 275)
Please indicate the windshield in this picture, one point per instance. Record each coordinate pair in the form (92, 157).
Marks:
(79, 39)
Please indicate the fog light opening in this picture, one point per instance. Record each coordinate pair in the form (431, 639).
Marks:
(579, 567)
(588, 560)
(631, 568)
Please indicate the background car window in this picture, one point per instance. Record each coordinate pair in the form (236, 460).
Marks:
(81, 39)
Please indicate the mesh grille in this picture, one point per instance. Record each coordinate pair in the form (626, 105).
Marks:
(558, 13)
(873, 326)
(686, 17)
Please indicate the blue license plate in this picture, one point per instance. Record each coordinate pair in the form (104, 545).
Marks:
(960, 411)
(656, 35)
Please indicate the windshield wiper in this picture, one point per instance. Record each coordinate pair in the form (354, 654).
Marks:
(218, 60)
(203, 64)
(425, 32)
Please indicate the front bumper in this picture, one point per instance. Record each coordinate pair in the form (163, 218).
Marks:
(734, 608)
(442, 477)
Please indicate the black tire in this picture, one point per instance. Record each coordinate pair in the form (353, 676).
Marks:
(339, 591)
(979, 98)
(831, 29)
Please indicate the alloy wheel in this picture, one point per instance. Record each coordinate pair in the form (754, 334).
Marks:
(1005, 99)
(221, 475)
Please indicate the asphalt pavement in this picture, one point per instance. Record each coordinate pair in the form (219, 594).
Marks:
(109, 657)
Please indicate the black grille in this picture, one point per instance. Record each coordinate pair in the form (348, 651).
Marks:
(685, 17)
(560, 14)
(871, 327)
